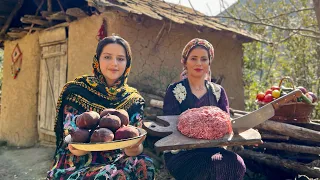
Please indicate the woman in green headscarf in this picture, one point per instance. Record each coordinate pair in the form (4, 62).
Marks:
(106, 89)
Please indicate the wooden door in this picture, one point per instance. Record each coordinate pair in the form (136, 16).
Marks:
(53, 75)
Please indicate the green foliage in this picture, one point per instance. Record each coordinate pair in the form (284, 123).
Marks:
(291, 53)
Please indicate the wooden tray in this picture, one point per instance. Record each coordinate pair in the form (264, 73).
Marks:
(175, 140)
(119, 144)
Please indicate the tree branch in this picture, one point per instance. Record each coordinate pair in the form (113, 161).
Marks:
(270, 25)
(287, 13)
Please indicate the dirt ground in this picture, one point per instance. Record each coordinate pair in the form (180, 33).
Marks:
(33, 163)
(24, 163)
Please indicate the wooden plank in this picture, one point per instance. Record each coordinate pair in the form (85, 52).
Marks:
(63, 66)
(175, 140)
(43, 90)
(53, 54)
(56, 81)
(51, 65)
(48, 132)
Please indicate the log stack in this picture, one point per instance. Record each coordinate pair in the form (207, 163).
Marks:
(293, 148)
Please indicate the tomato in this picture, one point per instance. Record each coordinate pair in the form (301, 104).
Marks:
(275, 88)
(269, 91)
(275, 93)
(268, 98)
(260, 96)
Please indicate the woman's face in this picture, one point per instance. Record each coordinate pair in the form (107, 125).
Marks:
(197, 63)
(112, 62)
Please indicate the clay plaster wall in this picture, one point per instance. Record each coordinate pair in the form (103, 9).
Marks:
(18, 122)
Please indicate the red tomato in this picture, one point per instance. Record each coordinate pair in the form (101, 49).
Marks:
(268, 98)
(260, 96)
(269, 91)
(275, 88)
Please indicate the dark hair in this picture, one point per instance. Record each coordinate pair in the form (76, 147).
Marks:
(115, 40)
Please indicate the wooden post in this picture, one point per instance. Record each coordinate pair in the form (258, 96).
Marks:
(49, 4)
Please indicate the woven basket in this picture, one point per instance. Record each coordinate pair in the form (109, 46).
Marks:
(293, 112)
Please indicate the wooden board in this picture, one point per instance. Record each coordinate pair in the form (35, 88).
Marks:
(173, 139)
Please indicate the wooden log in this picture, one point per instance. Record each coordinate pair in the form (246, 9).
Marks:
(156, 103)
(311, 125)
(274, 137)
(274, 161)
(290, 130)
(291, 147)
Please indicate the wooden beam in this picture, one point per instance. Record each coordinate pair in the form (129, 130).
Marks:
(34, 21)
(60, 16)
(17, 34)
(17, 29)
(76, 12)
(12, 14)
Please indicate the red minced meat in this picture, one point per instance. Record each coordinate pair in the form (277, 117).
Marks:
(207, 122)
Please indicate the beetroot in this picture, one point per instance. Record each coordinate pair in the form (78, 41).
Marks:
(123, 115)
(126, 132)
(107, 111)
(102, 135)
(88, 120)
(208, 122)
(111, 122)
(79, 135)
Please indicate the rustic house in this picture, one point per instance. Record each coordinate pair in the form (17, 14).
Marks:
(47, 43)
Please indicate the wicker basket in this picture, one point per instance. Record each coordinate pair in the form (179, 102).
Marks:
(293, 112)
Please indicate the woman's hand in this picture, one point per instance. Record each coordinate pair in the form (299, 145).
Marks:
(77, 152)
(135, 149)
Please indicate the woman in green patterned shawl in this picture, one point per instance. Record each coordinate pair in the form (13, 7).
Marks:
(107, 88)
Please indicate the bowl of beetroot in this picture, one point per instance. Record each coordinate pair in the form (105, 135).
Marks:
(108, 130)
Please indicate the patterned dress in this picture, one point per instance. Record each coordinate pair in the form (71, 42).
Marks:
(99, 165)
(204, 163)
